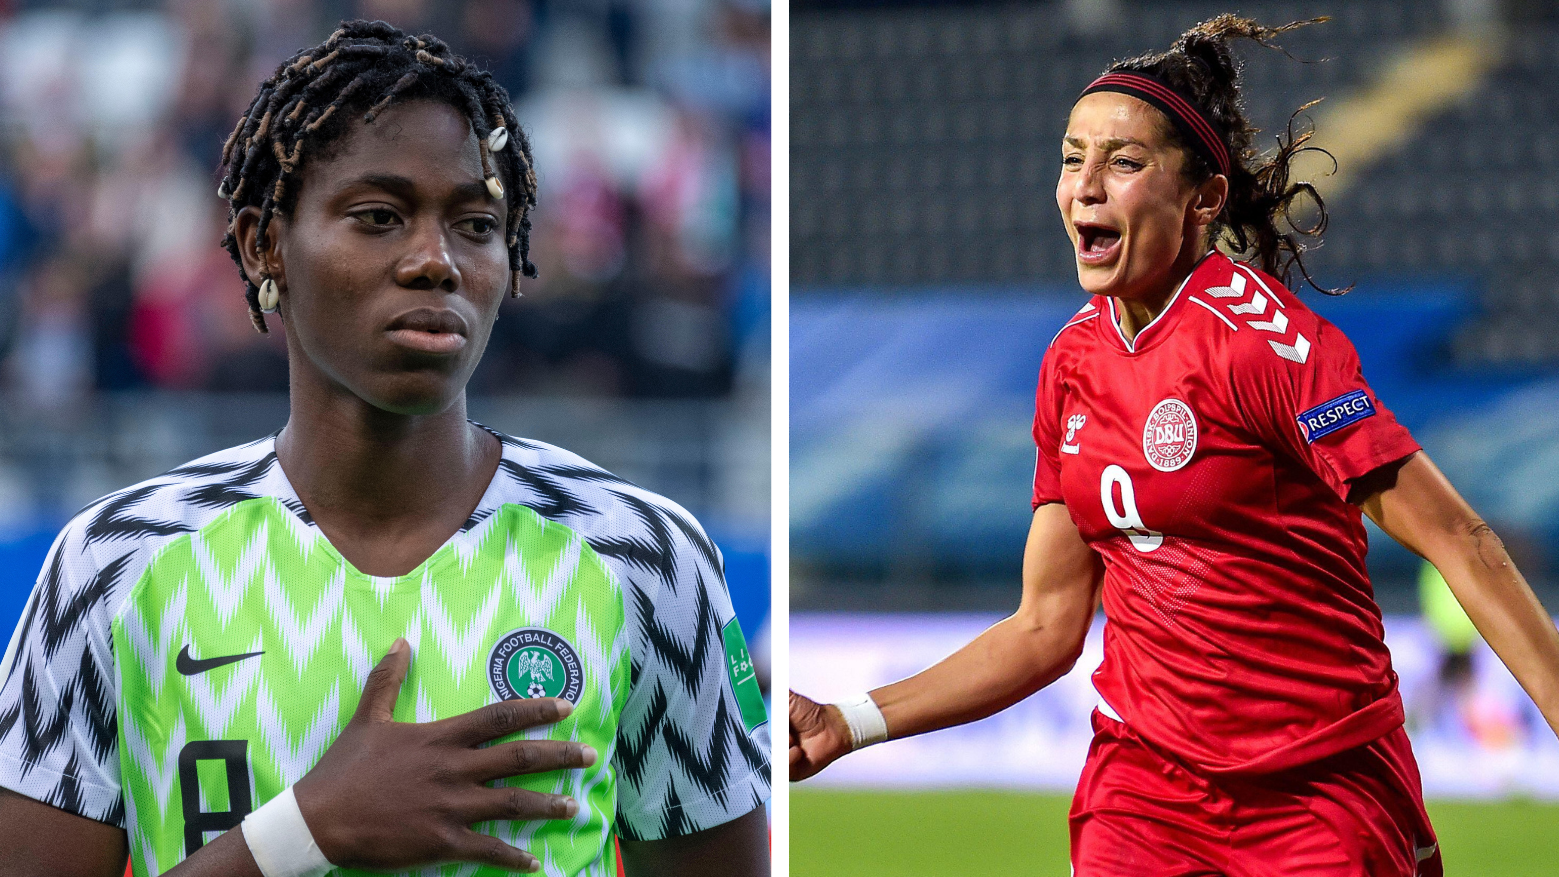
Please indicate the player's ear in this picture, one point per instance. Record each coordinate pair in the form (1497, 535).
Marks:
(1209, 199)
(259, 265)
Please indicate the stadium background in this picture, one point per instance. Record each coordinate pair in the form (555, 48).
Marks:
(125, 348)
(929, 270)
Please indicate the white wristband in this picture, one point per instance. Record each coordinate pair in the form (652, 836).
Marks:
(867, 726)
(281, 842)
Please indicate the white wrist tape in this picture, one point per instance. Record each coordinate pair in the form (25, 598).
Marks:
(281, 842)
(867, 726)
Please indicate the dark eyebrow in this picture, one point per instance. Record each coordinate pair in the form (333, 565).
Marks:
(473, 191)
(1110, 145)
(392, 183)
(403, 187)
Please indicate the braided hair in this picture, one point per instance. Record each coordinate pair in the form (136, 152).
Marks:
(305, 106)
(1201, 65)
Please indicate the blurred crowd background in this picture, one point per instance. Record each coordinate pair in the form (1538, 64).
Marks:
(124, 344)
(930, 270)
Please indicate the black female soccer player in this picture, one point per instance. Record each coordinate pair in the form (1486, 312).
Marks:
(1207, 448)
(291, 656)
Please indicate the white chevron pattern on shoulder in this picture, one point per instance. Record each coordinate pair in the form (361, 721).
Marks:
(1235, 289)
(1256, 305)
(1278, 323)
(1260, 298)
(1276, 299)
(1298, 352)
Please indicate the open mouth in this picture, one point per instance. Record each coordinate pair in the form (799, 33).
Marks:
(1096, 243)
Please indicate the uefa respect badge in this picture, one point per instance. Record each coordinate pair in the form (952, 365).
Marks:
(535, 662)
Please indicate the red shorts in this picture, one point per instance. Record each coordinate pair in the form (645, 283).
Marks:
(1142, 813)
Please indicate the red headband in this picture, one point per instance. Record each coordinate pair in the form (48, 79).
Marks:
(1194, 125)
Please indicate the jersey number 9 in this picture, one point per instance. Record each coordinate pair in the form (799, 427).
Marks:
(1126, 518)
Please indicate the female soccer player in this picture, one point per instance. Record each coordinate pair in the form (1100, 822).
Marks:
(200, 651)
(1206, 446)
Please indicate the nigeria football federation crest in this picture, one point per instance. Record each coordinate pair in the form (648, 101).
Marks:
(534, 662)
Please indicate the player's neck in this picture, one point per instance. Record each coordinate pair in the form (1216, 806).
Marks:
(1137, 311)
(368, 475)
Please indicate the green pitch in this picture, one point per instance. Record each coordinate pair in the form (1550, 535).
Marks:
(978, 833)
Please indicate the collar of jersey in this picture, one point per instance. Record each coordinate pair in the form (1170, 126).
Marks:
(1149, 335)
(283, 491)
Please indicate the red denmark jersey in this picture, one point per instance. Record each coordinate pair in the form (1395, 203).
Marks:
(1208, 462)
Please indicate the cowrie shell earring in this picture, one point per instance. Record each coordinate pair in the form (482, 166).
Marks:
(270, 298)
(497, 139)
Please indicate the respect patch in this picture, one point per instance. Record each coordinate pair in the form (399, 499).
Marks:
(1328, 417)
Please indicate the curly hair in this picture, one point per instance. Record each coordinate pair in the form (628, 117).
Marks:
(1261, 195)
(304, 108)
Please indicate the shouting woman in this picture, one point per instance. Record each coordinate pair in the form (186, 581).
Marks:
(1207, 450)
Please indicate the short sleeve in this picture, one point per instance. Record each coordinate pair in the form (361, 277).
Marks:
(58, 742)
(693, 740)
(1047, 434)
(1320, 411)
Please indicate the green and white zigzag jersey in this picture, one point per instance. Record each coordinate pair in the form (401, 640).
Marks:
(195, 644)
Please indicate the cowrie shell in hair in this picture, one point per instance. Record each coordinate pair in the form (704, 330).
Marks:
(222, 190)
(269, 297)
(497, 139)
(495, 188)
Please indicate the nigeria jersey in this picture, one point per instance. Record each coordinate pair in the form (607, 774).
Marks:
(194, 645)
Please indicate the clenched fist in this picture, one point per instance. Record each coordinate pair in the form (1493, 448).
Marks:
(818, 736)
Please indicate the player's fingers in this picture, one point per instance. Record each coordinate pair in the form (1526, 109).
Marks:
(505, 802)
(798, 760)
(384, 684)
(483, 849)
(804, 713)
(505, 717)
(529, 756)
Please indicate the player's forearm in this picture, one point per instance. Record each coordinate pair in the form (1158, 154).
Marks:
(1506, 612)
(227, 856)
(739, 848)
(1011, 660)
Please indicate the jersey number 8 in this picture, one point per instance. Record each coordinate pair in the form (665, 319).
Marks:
(1126, 518)
(233, 755)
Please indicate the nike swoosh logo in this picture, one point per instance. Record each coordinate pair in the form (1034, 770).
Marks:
(188, 666)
